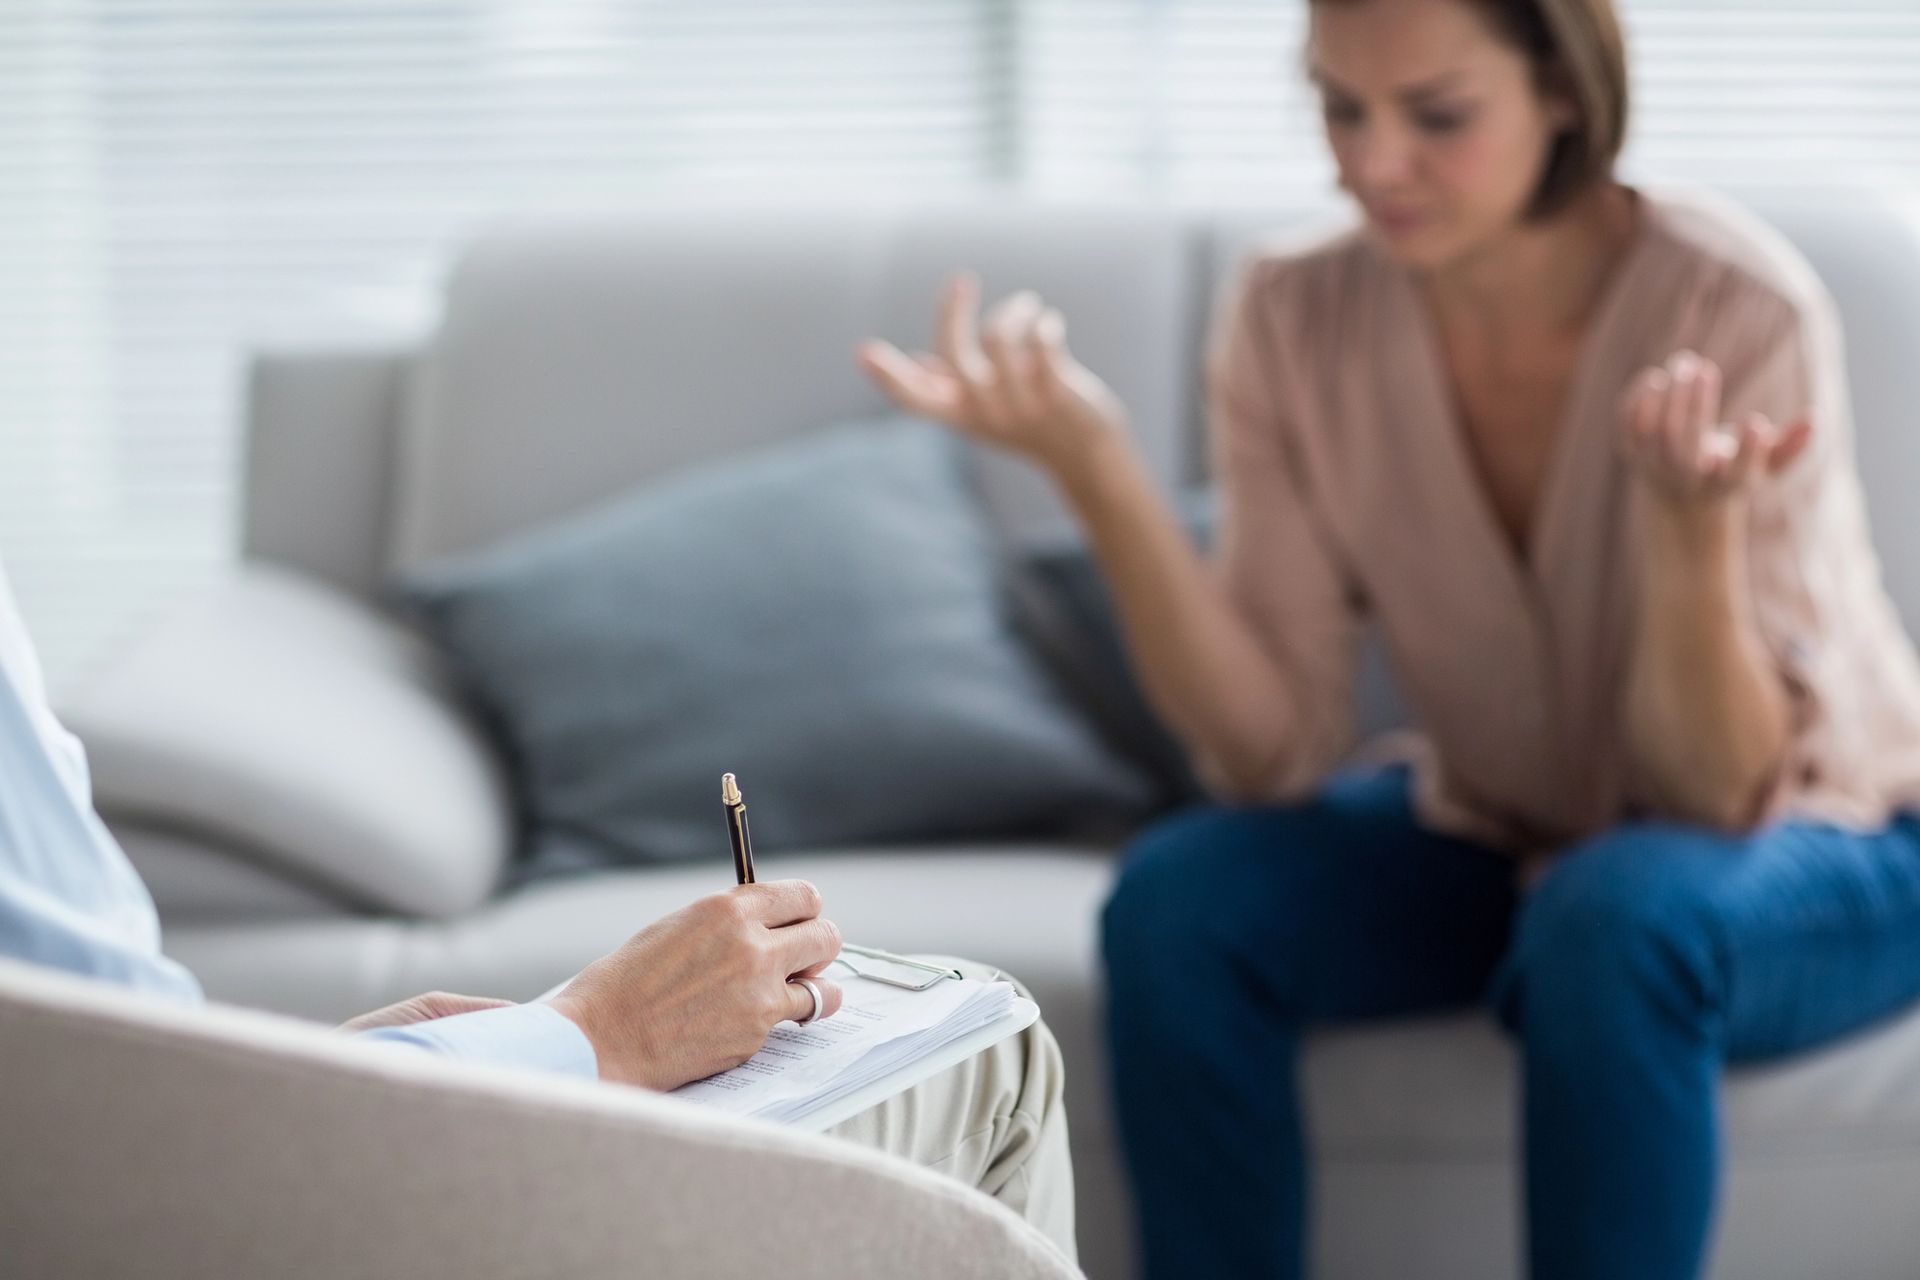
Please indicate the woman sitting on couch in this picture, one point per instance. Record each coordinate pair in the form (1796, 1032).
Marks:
(1582, 454)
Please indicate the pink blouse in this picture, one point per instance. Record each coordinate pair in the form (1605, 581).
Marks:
(1351, 496)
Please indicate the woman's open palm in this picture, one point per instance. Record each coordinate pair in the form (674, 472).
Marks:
(1676, 439)
(1009, 381)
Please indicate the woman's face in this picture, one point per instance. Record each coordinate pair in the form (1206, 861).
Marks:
(1434, 120)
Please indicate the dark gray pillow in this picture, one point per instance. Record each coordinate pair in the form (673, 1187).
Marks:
(1064, 609)
(824, 618)
(1062, 606)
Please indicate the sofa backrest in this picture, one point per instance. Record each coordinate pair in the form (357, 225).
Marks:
(578, 357)
(1866, 249)
(576, 360)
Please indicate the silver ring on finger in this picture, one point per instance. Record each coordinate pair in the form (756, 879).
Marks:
(813, 991)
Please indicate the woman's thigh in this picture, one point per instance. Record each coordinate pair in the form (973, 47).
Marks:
(1785, 938)
(1340, 907)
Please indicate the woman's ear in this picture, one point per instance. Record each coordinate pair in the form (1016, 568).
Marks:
(1557, 97)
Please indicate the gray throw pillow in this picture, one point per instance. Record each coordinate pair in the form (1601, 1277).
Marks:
(1064, 610)
(824, 618)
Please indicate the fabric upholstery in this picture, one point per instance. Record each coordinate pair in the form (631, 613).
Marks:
(193, 879)
(1062, 605)
(144, 1139)
(322, 445)
(277, 714)
(529, 402)
(823, 618)
(1867, 253)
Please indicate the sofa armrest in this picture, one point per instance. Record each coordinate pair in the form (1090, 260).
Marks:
(278, 716)
(320, 459)
(254, 1145)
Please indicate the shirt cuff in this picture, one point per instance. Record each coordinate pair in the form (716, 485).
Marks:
(535, 1036)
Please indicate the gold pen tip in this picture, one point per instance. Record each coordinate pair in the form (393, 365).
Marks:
(729, 789)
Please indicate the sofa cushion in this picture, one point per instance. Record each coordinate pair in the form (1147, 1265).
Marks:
(822, 618)
(1062, 605)
(283, 720)
(194, 877)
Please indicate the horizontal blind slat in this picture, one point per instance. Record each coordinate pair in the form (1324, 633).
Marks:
(178, 175)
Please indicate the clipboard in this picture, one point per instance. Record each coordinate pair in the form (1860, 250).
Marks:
(913, 975)
(1020, 1015)
(873, 964)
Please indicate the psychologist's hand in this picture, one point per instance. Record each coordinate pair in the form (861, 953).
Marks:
(1013, 384)
(425, 1008)
(1688, 457)
(697, 991)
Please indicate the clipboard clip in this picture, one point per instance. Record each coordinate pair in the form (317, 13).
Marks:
(896, 971)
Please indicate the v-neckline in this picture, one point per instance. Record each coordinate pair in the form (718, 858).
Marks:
(1528, 566)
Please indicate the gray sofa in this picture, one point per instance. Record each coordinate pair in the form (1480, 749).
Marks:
(324, 832)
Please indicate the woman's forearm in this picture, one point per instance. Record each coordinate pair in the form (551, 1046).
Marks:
(1707, 715)
(1199, 663)
(1017, 387)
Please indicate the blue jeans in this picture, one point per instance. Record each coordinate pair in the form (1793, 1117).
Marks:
(1644, 960)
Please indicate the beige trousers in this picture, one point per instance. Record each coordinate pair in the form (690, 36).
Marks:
(996, 1122)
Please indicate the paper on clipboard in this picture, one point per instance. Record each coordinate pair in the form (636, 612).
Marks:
(883, 1040)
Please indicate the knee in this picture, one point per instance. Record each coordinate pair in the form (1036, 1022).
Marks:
(1208, 899)
(1044, 1080)
(1175, 891)
(1025, 1072)
(1620, 922)
(1152, 897)
(1162, 929)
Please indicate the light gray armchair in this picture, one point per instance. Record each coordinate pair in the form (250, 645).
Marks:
(144, 1139)
(324, 832)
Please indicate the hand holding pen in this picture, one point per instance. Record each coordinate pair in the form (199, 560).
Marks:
(697, 991)
(736, 808)
(880, 966)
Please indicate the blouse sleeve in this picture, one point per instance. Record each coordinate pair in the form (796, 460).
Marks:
(1781, 359)
(1274, 557)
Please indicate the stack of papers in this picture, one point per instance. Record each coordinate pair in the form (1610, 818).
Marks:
(880, 1033)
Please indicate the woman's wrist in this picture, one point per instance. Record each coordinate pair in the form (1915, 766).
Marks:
(1094, 469)
(1694, 537)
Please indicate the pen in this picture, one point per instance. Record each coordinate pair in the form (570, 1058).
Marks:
(736, 807)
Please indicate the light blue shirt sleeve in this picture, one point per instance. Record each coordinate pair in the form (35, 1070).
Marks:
(69, 899)
(536, 1036)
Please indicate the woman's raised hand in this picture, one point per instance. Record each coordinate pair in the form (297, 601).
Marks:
(1687, 455)
(1009, 381)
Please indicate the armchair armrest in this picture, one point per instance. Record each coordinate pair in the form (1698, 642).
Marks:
(253, 1145)
(279, 716)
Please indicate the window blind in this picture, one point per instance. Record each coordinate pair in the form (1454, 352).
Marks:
(181, 178)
